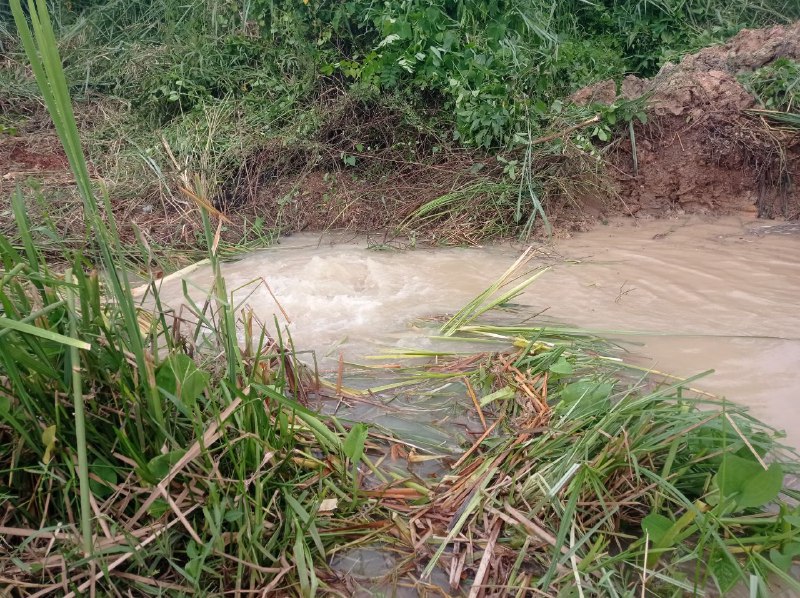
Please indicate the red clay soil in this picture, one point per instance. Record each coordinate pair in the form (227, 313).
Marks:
(30, 155)
(700, 151)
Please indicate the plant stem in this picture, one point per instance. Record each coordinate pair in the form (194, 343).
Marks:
(80, 419)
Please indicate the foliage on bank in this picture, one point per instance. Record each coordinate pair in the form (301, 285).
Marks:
(263, 91)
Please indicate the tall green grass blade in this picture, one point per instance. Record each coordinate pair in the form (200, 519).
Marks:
(41, 47)
(489, 299)
(49, 335)
(80, 421)
(18, 207)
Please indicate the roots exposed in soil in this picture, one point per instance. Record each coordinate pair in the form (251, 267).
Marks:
(702, 150)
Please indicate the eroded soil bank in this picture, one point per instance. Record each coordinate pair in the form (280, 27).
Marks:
(702, 150)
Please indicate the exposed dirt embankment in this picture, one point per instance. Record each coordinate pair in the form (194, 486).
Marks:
(701, 149)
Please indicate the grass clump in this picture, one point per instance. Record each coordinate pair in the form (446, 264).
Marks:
(595, 478)
(153, 453)
(777, 85)
(592, 481)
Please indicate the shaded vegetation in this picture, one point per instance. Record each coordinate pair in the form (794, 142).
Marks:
(777, 85)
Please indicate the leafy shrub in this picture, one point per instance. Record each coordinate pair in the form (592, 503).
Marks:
(484, 64)
(777, 85)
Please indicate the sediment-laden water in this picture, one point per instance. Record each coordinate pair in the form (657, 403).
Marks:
(699, 294)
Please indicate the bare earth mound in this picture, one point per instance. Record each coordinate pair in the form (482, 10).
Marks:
(701, 151)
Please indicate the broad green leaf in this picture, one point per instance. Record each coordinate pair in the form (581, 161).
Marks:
(354, 443)
(192, 551)
(158, 508)
(562, 366)
(193, 569)
(656, 526)
(585, 396)
(793, 519)
(233, 515)
(726, 572)
(105, 472)
(159, 466)
(783, 558)
(180, 377)
(747, 482)
(762, 488)
(664, 533)
(569, 591)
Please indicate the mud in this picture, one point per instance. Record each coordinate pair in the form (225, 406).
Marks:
(34, 155)
(701, 151)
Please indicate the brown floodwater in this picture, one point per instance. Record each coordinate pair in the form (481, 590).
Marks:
(689, 294)
(683, 296)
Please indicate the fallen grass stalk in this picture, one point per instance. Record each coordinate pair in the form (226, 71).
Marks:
(602, 470)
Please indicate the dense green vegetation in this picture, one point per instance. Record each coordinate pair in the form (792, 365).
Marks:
(489, 68)
(777, 85)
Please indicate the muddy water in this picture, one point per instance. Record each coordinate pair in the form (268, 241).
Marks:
(699, 295)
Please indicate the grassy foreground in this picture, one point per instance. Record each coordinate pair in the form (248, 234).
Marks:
(146, 452)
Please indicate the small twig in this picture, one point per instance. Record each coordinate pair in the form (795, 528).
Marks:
(622, 293)
(477, 443)
(475, 402)
(488, 553)
(747, 442)
(566, 131)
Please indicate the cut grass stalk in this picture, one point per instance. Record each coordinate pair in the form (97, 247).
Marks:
(487, 300)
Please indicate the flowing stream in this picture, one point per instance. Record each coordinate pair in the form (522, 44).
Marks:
(684, 296)
(698, 294)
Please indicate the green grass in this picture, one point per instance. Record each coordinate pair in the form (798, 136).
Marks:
(212, 470)
(602, 480)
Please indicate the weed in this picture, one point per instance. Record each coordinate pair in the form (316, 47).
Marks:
(152, 414)
(777, 85)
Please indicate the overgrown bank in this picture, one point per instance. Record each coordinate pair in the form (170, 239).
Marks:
(449, 121)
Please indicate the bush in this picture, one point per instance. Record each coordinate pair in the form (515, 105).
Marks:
(777, 85)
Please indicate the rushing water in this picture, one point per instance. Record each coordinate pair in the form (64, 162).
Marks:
(699, 294)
